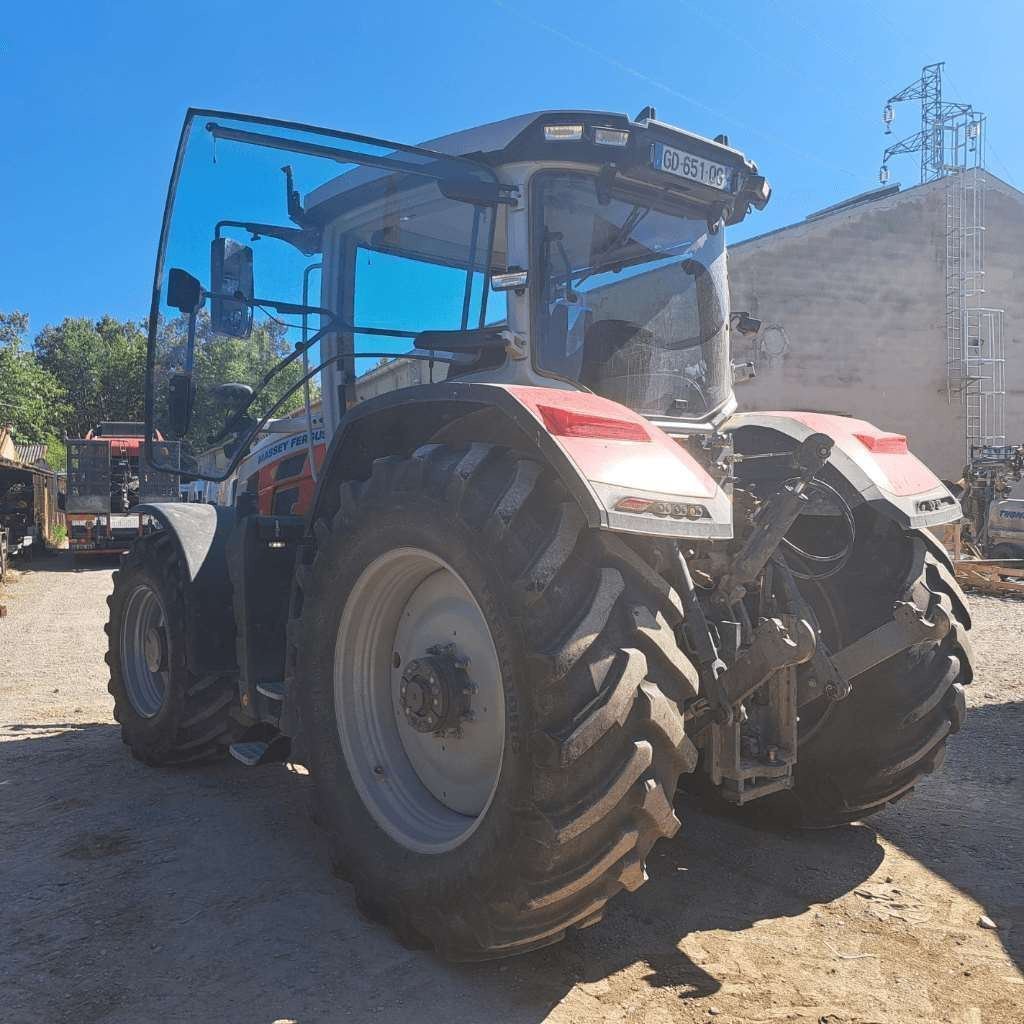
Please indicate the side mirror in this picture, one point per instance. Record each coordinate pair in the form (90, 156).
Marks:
(181, 396)
(743, 323)
(231, 288)
(184, 292)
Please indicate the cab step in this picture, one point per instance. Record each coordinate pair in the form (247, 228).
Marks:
(253, 753)
(275, 689)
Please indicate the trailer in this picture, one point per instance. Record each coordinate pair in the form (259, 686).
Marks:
(107, 478)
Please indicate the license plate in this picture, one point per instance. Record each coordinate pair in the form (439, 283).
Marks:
(695, 168)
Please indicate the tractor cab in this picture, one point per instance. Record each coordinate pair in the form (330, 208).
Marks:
(567, 249)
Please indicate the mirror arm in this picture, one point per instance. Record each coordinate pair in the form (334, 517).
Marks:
(307, 240)
(292, 198)
(190, 342)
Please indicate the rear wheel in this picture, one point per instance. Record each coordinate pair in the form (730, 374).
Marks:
(860, 754)
(490, 696)
(168, 715)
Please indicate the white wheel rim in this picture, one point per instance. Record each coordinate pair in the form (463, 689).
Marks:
(143, 614)
(428, 792)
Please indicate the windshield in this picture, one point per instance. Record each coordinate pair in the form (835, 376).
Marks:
(313, 249)
(632, 300)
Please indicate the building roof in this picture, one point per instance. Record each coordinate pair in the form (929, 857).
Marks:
(887, 193)
(31, 453)
(11, 454)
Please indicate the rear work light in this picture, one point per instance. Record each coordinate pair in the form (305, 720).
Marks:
(570, 423)
(563, 132)
(884, 444)
(611, 137)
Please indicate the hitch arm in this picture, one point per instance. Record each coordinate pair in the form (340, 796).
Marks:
(778, 644)
(907, 627)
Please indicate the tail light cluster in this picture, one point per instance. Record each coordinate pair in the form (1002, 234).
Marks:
(654, 507)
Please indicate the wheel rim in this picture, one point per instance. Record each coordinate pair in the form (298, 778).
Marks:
(411, 622)
(144, 651)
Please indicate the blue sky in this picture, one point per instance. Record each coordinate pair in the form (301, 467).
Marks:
(92, 96)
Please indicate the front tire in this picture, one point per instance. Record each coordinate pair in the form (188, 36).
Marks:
(168, 715)
(574, 635)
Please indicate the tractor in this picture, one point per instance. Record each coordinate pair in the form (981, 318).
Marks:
(501, 614)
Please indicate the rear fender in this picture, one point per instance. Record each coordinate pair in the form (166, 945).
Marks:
(877, 467)
(602, 451)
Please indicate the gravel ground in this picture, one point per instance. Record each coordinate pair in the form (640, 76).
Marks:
(132, 895)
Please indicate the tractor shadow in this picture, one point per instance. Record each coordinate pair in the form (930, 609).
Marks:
(61, 560)
(133, 894)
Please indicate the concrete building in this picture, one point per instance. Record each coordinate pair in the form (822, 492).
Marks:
(392, 374)
(854, 314)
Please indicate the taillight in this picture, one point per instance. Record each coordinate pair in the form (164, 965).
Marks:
(885, 444)
(654, 507)
(570, 423)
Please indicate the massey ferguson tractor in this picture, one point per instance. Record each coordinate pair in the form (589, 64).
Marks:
(499, 615)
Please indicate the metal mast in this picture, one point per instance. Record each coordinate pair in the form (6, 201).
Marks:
(951, 146)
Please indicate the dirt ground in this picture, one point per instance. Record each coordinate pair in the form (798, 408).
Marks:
(133, 895)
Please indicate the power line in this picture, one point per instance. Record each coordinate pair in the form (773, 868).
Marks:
(642, 76)
(988, 140)
(789, 67)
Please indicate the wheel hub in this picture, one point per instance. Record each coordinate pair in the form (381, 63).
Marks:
(154, 647)
(435, 691)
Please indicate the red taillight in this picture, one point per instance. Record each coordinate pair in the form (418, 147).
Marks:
(885, 444)
(570, 423)
(635, 505)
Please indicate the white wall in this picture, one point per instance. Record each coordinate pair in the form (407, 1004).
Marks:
(860, 300)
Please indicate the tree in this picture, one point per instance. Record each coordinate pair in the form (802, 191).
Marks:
(223, 360)
(32, 401)
(100, 365)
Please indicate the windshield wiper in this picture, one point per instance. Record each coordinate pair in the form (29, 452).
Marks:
(635, 216)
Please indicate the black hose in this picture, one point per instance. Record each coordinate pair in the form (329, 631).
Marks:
(837, 561)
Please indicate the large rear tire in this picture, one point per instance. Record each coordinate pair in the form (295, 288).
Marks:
(168, 715)
(857, 756)
(574, 636)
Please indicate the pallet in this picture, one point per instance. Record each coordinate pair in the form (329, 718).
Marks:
(991, 576)
(999, 576)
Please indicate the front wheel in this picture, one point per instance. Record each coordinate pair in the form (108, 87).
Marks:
(490, 696)
(168, 715)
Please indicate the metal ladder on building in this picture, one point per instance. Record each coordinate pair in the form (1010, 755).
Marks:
(951, 144)
(975, 356)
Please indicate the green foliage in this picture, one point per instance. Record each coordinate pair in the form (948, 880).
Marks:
(32, 400)
(101, 366)
(222, 360)
(80, 373)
